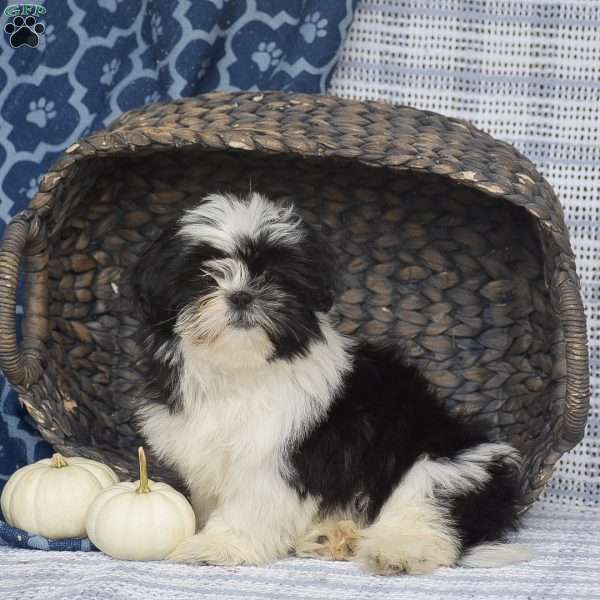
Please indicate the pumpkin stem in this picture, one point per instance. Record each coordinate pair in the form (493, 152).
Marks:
(58, 461)
(143, 488)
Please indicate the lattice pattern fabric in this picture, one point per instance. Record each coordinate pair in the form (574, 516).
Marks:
(526, 72)
(95, 60)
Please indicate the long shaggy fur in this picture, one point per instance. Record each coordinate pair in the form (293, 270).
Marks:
(290, 436)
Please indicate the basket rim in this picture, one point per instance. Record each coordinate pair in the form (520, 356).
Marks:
(526, 187)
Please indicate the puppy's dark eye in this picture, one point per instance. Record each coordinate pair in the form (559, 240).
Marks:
(202, 276)
(263, 278)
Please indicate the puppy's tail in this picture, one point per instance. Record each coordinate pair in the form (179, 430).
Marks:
(495, 555)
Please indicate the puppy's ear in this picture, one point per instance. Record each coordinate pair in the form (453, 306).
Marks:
(154, 274)
(324, 301)
(324, 262)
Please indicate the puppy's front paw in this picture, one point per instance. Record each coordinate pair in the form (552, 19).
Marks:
(204, 548)
(412, 554)
(329, 540)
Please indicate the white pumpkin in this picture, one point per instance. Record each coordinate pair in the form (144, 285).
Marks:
(141, 520)
(51, 497)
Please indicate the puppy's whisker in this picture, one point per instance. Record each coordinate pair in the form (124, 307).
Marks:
(164, 321)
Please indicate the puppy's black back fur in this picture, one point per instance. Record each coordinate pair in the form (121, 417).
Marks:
(382, 420)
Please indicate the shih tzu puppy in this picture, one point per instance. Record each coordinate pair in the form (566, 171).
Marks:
(291, 437)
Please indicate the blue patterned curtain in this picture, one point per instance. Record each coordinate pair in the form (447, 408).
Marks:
(68, 67)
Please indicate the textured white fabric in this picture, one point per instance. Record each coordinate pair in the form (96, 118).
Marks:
(566, 567)
(528, 73)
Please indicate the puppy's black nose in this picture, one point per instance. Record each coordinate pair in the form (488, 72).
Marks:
(240, 299)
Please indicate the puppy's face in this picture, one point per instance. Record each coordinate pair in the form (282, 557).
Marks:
(245, 278)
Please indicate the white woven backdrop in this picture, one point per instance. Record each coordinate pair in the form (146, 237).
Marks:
(528, 73)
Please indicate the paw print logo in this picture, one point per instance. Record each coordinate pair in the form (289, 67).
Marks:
(109, 70)
(267, 55)
(24, 32)
(153, 97)
(48, 38)
(156, 26)
(110, 5)
(204, 65)
(40, 112)
(33, 187)
(313, 27)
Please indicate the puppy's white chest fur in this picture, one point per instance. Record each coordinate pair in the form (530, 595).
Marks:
(236, 425)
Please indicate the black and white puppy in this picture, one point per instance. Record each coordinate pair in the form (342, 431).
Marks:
(291, 436)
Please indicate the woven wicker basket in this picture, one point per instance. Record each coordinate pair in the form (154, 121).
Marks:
(448, 241)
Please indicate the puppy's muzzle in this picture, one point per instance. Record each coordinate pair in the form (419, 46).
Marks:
(240, 300)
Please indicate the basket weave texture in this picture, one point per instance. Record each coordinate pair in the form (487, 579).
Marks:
(448, 241)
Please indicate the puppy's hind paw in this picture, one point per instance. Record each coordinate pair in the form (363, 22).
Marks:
(414, 555)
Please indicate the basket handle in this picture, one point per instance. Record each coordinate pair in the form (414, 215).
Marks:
(578, 387)
(24, 246)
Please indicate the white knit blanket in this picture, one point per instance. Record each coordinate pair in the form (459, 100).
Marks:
(566, 567)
